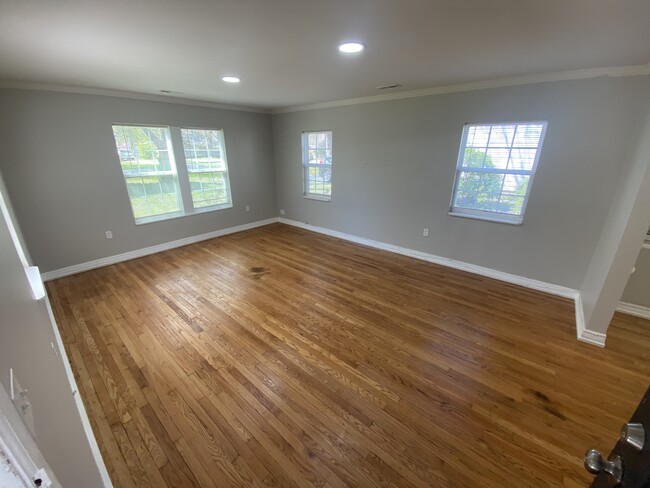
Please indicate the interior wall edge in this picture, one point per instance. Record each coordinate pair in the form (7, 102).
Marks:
(583, 334)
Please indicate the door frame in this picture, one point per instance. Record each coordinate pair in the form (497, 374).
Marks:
(20, 448)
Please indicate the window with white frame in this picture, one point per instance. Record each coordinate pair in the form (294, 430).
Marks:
(150, 172)
(156, 184)
(317, 164)
(207, 168)
(495, 170)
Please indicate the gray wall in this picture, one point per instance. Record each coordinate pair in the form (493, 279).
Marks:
(61, 170)
(394, 165)
(637, 290)
(622, 236)
(27, 344)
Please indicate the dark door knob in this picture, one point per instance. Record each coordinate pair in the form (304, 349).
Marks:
(595, 463)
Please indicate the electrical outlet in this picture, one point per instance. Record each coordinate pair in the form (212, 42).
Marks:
(281, 211)
(109, 234)
(248, 208)
(425, 232)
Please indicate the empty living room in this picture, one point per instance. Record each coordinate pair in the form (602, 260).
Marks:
(298, 243)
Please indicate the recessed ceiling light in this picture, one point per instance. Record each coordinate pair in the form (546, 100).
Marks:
(351, 47)
(231, 79)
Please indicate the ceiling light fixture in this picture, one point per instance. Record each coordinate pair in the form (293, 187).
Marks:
(231, 79)
(351, 47)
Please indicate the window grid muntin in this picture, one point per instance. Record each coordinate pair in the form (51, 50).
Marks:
(313, 186)
(462, 168)
(160, 209)
(221, 168)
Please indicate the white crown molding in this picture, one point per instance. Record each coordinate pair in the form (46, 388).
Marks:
(581, 74)
(614, 71)
(127, 94)
(118, 258)
(636, 310)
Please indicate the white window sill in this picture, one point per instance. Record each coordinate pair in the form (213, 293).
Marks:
(213, 208)
(320, 198)
(159, 218)
(178, 215)
(488, 218)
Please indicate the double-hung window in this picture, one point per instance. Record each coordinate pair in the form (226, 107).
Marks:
(205, 156)
(495, 170)
(317, 165)
(155, 182)
(150, 172)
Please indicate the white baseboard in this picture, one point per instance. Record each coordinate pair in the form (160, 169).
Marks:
(586, 335)
(551, 288)
(118, 258)
(594, 338)
(636, 310)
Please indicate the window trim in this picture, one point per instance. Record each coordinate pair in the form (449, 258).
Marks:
(486, 215)
(176, 150)
(304, 164)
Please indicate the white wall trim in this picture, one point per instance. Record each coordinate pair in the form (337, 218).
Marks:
(580, 74)
(595, 338)
(551, 288)
(636, 310)
(583, 334)
(83, 414)
(105, 92)
(19, 447)
(118, 258)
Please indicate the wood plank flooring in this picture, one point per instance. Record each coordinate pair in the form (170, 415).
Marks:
(278, 357)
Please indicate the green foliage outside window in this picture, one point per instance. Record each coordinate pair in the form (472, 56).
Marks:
(483, 191)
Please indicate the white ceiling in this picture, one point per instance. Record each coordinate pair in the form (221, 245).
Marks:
(285, 50)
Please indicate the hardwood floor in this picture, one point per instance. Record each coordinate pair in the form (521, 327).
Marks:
(279, 357)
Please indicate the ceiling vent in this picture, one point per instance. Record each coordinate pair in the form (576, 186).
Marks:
(388, 87)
